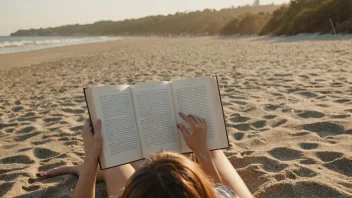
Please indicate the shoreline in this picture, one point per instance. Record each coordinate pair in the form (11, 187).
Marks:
(11, 60)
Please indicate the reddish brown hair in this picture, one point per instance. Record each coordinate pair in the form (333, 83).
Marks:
(169, 175)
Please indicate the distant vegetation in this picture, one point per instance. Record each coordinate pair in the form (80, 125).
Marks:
(246, 24)
(299, 16)
(204, 22)
(310, 16)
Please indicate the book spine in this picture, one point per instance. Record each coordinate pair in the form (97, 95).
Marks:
(90, 119)
(223, 114)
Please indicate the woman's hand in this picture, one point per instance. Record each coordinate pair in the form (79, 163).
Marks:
(93, 143)
(197, 135)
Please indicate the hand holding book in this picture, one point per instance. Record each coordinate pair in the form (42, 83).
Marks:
(196, 136)
(93, 142)
(196, 140)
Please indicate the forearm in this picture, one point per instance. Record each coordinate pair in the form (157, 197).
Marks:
(86, 183)
(229, 175)
(208, 166)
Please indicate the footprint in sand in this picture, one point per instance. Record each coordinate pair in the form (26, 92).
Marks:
(242, 127)
(285, 154)
(44, 153)
(13, 176)
(259, 124)
(31, 188)
(28, 118)
(17, 159)
(238, 102)
(247, 153)
(9, 130)
(311, 114)
(68, 104)
(238, 136)
(5, 187)
(305, 172)
(269, 117)
(328, 156)
(307, 94)
(73, 111)
(278, 123)
(292, 90)
(309, 146)
(324, 129)
(72, 142)
(3, 126)
(50, 120)
(3, 171)
(342, 100)
(25, 137)
(342, 166)
(271, 107)
(17, 109)
(342, 116)
(75, 128)
(237, 97)
(27, 129)
(29, 114)
(41, 142)
(239, 119)
(308, 161)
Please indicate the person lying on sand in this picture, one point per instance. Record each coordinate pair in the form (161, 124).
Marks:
(163, 174)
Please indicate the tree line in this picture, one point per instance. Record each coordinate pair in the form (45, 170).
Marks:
(299, 16)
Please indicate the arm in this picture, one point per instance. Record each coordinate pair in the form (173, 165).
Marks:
(86, 182)
(207, 164)
(211, 160)
(229, 175)
(93, 144)
(196, 141)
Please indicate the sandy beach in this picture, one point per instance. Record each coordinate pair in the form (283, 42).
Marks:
(287, 102)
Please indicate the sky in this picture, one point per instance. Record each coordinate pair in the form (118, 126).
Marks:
(26, 14)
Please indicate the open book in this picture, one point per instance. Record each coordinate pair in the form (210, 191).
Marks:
(141, 119)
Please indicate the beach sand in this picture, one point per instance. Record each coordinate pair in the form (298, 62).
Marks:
(288, 108)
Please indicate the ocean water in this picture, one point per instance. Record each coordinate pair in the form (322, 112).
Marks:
(13, 44)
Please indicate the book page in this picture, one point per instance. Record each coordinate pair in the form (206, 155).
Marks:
(197, 96)
(155, 117)
(113, 105)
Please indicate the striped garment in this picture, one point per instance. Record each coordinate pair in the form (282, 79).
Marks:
(224, 191)
(221, 190)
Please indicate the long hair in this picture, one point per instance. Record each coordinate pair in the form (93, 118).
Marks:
(169, 175)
